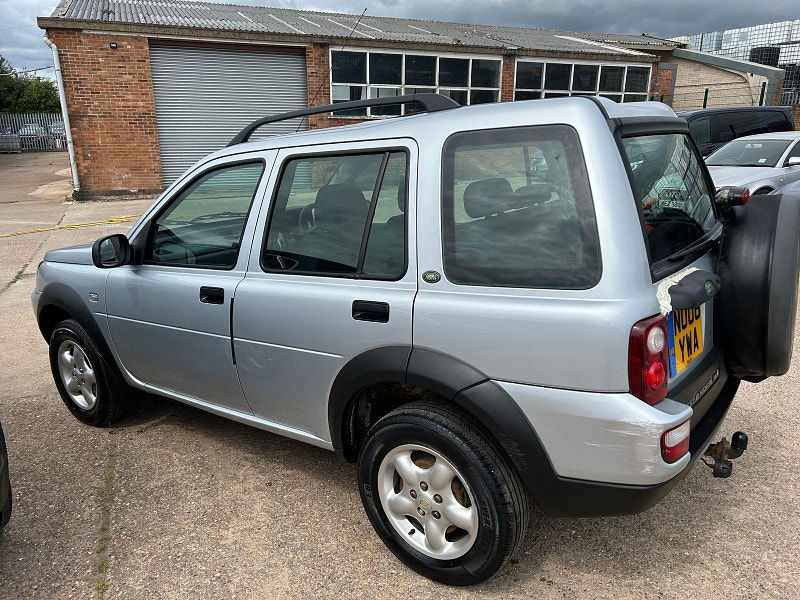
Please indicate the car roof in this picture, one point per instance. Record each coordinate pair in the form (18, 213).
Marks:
(777, 135)
(464, 118)
(705, 111)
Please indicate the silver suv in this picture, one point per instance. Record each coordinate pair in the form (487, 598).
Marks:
(481, 305)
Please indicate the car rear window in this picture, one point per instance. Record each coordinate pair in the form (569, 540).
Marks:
(668, 182)
(517, 209)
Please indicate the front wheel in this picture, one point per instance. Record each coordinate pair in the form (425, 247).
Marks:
(440, 494)
(91, 391)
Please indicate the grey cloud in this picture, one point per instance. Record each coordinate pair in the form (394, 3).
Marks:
(663, 18)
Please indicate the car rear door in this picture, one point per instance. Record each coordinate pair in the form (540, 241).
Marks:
(332, 274)
(169, 317)
(675, 194)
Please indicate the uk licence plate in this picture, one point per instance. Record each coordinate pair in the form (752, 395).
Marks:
(685, 332)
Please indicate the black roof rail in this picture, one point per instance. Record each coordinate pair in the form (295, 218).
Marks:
(429, 102)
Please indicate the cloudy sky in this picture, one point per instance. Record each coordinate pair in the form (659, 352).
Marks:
(21, 41)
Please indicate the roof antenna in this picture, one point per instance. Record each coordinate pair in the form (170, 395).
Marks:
(352, 31)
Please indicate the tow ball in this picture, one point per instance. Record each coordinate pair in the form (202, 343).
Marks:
(722, 452)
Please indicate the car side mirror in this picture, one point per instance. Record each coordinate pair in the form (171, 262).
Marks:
(793, 161)
(112, 251)
(731, 196)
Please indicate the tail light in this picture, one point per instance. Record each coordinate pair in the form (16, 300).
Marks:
(675, 442)
(647, 359)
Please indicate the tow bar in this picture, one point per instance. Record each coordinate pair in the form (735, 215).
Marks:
(723, 452)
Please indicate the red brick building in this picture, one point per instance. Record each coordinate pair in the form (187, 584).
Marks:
(151, 86)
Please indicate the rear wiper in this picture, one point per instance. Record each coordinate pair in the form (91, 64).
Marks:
(709, 239)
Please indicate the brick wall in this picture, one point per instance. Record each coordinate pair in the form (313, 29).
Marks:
(661, 82)
(508, 79)
(112, 111)
(725, 87)
(796, 115)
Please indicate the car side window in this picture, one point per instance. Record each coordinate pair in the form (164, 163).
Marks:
(793, 153)
(517, 209)
(700, 129)
(204, 223)
(340, 215)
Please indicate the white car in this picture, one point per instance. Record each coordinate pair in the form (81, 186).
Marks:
(761, 163)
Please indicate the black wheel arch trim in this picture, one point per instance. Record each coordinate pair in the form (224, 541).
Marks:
(454, 380)
(65, 298)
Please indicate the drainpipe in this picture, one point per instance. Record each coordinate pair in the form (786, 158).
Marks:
(76, 186)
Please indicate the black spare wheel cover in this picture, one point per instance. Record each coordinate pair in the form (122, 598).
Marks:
(759, 261)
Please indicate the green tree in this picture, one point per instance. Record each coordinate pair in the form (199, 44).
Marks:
(10, 87)
(39, 95)
(22, 93)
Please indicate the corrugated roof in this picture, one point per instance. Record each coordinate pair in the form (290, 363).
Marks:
(289, 22)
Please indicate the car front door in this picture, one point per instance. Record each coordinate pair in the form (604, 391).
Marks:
(791, 173)
(332, 275)
(170, 316)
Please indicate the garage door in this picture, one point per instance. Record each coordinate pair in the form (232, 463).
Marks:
(205, 95)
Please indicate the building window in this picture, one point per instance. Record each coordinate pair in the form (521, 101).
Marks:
(544, 79)
(358, 75)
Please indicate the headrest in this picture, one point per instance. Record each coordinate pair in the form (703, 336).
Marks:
(338, 204)
(531, 195)
(487, 197)
(401, 196)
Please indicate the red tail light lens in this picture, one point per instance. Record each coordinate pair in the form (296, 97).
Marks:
(675, 442)
(647, 359)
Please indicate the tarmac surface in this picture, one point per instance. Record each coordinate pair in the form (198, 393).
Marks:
(175, 503)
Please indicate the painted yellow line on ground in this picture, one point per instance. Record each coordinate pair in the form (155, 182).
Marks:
(112, 221)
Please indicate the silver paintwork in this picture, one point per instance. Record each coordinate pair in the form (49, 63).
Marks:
(425, 493)
(293, 333)
(760, 178)
(561, 354)
(77, 374)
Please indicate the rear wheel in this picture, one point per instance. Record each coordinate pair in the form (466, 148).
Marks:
(92, 392)
(440, 494)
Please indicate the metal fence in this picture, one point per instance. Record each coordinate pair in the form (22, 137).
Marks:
(32, 131)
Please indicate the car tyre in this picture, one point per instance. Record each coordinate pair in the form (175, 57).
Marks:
(440, 493)
(92, 391)
(5, 510)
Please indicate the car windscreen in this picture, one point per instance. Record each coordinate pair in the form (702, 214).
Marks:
(749, 153)
(668, 182)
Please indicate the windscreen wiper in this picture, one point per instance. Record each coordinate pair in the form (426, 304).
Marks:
(709, 239)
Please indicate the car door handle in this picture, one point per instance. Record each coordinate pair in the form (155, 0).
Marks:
(374, 312)
(212, 295)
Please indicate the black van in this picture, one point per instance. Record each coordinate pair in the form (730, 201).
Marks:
(713, 127)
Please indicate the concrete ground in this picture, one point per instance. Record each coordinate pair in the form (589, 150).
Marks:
(175, 503)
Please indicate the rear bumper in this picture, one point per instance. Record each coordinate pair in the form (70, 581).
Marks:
(600, 454)
(575, 497)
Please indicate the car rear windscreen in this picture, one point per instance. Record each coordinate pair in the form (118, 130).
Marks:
(668, 182)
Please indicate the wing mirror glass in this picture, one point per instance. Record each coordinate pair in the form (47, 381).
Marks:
(111, 251)
(793, 161)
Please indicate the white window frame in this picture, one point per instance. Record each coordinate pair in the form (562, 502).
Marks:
(402, 86)
(570, 91)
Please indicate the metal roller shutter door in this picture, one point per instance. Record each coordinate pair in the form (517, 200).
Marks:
(205, 95)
